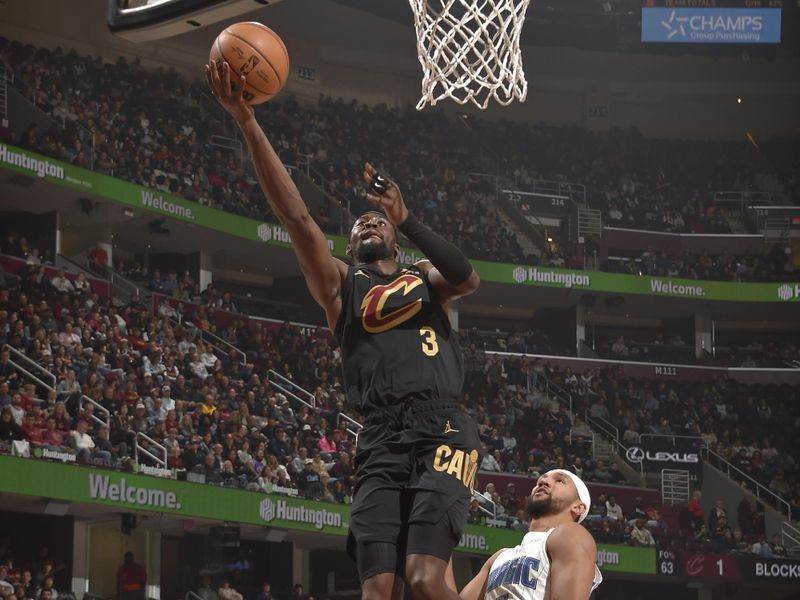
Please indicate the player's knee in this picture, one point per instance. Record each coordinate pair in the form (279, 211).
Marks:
(380, 587)
(424, 583)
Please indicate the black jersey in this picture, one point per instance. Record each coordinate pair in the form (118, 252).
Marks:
(397, 343)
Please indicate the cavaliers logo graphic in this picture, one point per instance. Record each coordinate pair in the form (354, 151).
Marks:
(373, 317)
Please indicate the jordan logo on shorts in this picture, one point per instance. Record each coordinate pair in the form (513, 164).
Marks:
(448, 429)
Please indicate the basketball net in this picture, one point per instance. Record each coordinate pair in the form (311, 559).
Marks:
(469, 50)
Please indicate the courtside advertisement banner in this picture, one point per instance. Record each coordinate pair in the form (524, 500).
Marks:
(711, 25)
(130, 491)
(145, 199)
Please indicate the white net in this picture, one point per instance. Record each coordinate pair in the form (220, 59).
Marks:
(470, 51)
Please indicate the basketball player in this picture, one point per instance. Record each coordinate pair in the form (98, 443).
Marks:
(418, 453)
(556, 559)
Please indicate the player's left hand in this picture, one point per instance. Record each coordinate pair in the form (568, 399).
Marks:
(391, 200)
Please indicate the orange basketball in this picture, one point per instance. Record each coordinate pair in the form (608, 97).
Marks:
(255, 51)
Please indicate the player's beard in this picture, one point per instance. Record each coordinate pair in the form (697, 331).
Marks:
(540, 508)
(369, 253)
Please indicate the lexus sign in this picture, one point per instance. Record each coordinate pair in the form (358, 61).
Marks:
(638, 455)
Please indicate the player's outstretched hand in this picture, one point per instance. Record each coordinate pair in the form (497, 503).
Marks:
(226, 92)
(391, 200)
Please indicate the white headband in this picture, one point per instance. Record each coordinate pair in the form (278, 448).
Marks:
(583, 491)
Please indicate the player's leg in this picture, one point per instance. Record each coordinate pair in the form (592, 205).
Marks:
(376, 537)
(446, 463)
(429, 548)
(380, 570)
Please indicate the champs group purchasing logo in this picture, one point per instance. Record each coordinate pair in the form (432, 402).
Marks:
(711, 25)
(281, 510)
(42, 168)
(567, 279)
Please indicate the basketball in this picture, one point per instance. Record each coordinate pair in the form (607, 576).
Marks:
(255, 51)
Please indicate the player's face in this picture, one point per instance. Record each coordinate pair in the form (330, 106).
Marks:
(372, 238)
(554, 493)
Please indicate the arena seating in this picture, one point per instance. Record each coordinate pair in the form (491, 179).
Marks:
(158, 138)
(222, 423)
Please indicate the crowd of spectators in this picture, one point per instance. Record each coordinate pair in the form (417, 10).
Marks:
(222, 423)
(773, 265)
(752, 426)
(648, 346)
(30, 578)
(148, 127)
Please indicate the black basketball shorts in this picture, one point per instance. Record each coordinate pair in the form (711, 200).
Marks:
(415, 473)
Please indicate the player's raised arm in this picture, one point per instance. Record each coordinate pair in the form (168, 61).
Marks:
(449, 271)
(323, 272)
(573, 553)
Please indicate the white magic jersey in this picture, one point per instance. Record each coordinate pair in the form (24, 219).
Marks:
(521, 573)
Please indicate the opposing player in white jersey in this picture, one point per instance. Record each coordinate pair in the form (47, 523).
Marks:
(556, 559)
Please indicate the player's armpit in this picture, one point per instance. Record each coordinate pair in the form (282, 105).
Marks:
(476, 589)
(573, 553)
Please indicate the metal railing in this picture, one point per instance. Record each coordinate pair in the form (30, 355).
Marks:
(224, 343)
(22, 356)
(123, 288)
(30, 375)
(573, 190)
(103, 410)
(291, 389)
(672, 437)
(485, 499)
(341, 416)
(29, 93)
(137, 448)
(739, 201)
(761, 492)
(790, 533)
(217, 343)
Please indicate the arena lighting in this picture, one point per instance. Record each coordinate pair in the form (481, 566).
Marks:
(57, 509)
(275, 535)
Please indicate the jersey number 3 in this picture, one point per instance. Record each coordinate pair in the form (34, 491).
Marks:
(430, 347)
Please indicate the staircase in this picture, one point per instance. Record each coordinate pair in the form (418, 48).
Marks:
(529, 247)
(604, 450)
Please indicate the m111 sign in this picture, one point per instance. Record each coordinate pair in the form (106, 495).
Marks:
(711, 25)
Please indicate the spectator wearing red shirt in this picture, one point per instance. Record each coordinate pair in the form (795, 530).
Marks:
(696, 512)
(98, 256)
(51, 436)
(131, 579)
(32, 433)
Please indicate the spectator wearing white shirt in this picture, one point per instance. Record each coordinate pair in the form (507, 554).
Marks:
(69, 385)
(61, 283)
(489, 462)
(17, 412)
(641, 536)
(84, 444)
(166, 400)
(68, 338)
(613, 510)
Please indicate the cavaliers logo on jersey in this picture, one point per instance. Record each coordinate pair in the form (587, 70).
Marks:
(372, 316)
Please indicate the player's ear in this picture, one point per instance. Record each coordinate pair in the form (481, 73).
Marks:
(348, 251)
(396, 251)
(577, 510)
